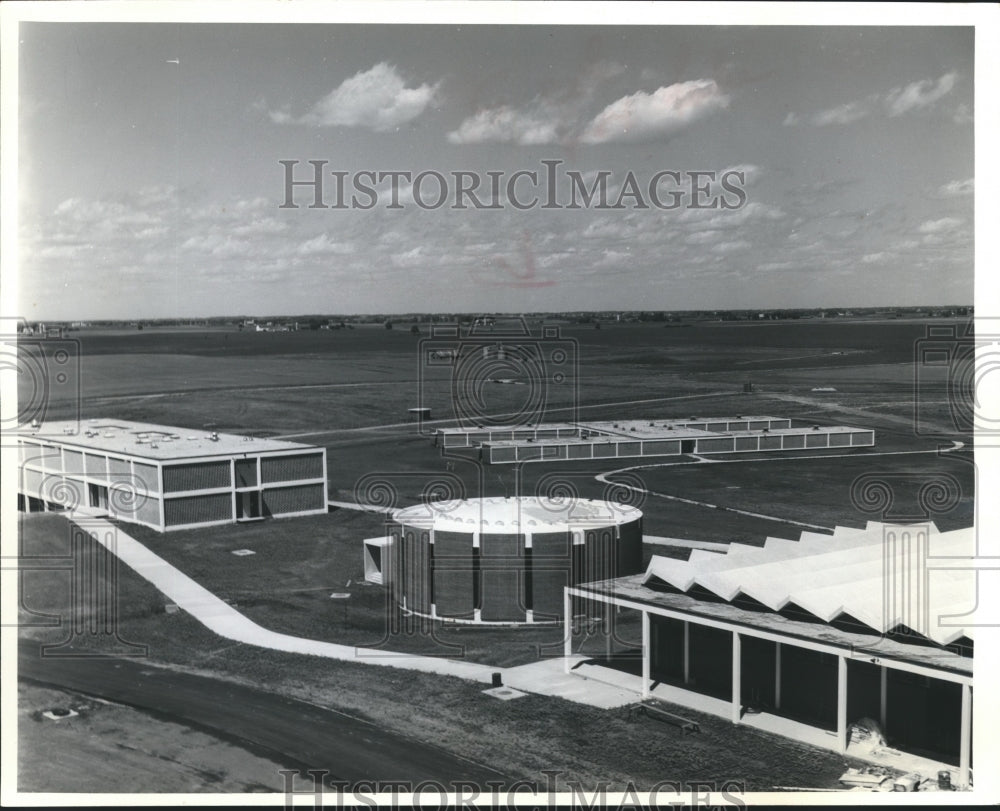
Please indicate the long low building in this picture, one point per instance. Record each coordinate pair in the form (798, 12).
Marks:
(817, 634)
(466, 437)
(167, 478)
(639, 438)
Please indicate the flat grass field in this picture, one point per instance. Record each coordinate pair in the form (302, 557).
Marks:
(518, 738)
(349, 391)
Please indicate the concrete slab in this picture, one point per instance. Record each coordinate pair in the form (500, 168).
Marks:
(548, 677)
(504, 693)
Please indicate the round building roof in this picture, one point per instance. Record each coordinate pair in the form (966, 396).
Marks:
(517, 515)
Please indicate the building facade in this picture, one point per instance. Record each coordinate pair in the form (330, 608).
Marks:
(506, 560)
(167, 478)
(806, 638)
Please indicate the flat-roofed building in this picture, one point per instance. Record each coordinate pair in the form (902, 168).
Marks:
(607, 439)
(807, 638)
(167, 478)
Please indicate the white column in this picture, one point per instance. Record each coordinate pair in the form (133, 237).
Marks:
(842, 702)
(777, 675)
(965, 755)
(646, 654)
(736, 678)
(687, 648)
(609, 630)
(883, 697)
(567, 629)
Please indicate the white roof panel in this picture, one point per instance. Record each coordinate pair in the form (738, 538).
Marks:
(883, 575)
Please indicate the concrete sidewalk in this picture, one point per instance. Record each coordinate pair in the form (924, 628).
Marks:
(547, 677)
(224, 620)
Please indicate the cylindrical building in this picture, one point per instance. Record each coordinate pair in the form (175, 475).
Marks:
(506, 560)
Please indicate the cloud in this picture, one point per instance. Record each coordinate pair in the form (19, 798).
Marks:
(508, 125)
(751, 172)
(844, 114)
(939, 226)
(647, 116)
(895, 102)
(730, 246)
(323, 245)
(958, 188)
(377, 99)
(918, 95)
(222, 246)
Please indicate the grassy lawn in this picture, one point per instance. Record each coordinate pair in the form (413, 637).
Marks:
(520, 737)
(349, 390)
(819, 491)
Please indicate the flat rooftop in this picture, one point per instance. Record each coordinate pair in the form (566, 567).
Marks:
(544, 426)
(863, 646)
(158, 442)
(608, 425)
(522, 514)
(645, 432)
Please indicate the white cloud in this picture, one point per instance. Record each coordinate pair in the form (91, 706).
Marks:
(702, 237)
(323, 245)
(896, 102)
(218, 245)
(415, 257)
(751, 173)
(261, 225)
(879, 258)
(770, 266)
(958, 188)
(645, 116)
(939, 226)
(377, 98)
(507, 125)
(918, 95)
(729, 247)
(844, 114)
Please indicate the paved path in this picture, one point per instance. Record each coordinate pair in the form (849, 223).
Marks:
(224, 620)
(545, 677)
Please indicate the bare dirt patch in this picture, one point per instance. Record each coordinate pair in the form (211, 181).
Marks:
(110, 748)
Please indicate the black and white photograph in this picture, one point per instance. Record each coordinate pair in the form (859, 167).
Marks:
(499, 404)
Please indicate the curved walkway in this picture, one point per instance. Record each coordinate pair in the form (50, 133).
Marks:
(545, 677)
(224, 620)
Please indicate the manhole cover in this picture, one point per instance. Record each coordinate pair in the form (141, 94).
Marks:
(243, 552)
(59, 713)
(340, 595)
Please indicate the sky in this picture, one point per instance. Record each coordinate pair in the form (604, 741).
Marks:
(151, 186)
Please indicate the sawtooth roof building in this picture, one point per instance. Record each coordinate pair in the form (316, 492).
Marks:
(808, 637)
